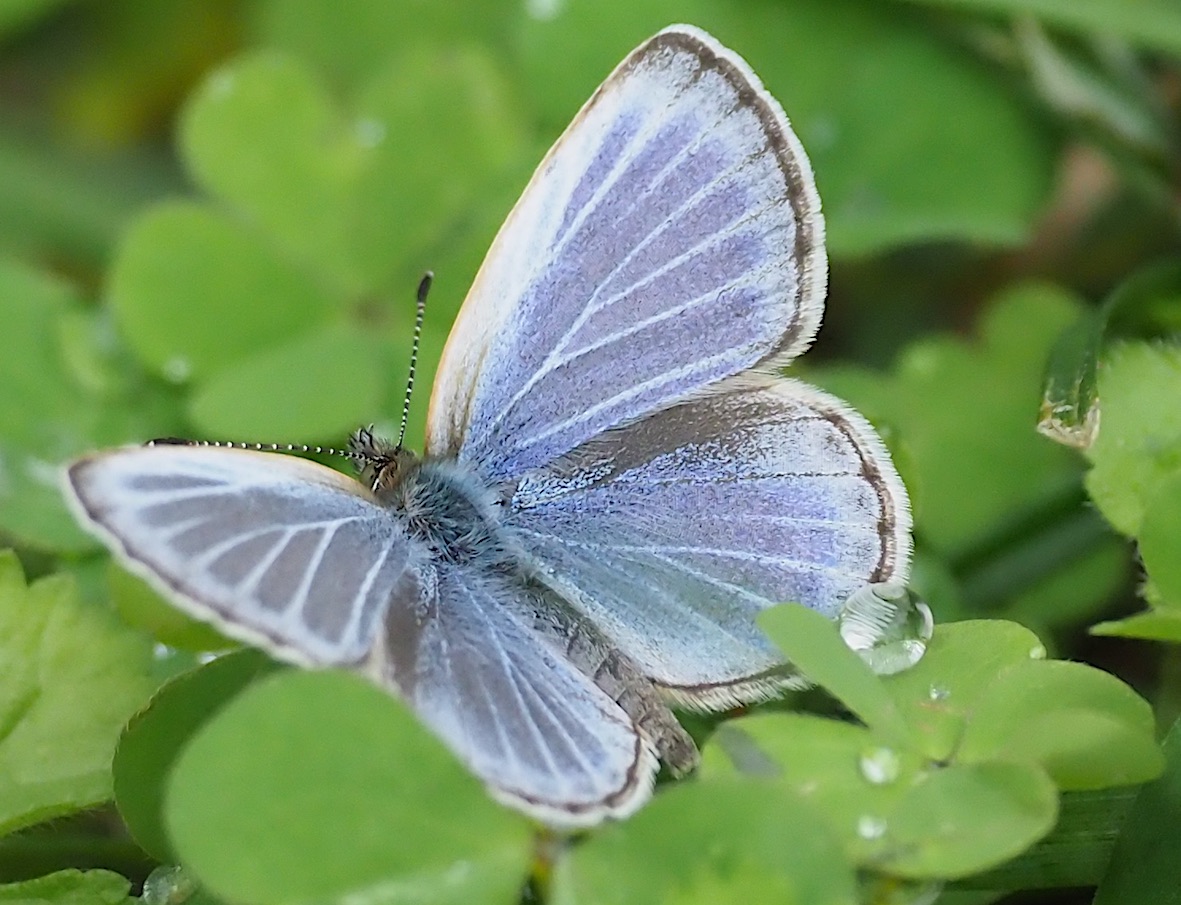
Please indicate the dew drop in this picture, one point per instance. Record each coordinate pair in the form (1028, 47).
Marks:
(870, 827)
(544, 10)
(1037, 652)
(221, 84)
(42, 472)
(824, 132)
(458, 873)
(370, 132)
(938, 693)
(887, 625)
(177, 369)
(879, 766)
(161, 651)
(168, 884)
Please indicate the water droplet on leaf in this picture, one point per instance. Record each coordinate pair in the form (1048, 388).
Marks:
(168, 884)
(879, 766)
(543, 10)
(177, 369)
(221, 84)
(869, 827)
(887, 625)
(370, 132)
(44, 473)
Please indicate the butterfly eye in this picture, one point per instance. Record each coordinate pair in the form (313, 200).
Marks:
(384, 473)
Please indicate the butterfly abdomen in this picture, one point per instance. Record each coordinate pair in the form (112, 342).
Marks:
(577, 639)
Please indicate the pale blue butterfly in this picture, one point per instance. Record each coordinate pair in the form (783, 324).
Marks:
(616, 481)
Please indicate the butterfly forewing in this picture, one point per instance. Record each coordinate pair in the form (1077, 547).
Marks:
(671, 238)
(272, 549)
(675, 531)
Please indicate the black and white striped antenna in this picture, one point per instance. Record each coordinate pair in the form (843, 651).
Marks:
(364, 452)
(257, 447)
(424, 286)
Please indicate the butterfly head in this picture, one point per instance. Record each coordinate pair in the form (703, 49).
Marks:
(381, 464)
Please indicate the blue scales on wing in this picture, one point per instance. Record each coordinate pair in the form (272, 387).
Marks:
(313, 567)
(479, 672)
(273, 550)
(671, 239)
(674, 532)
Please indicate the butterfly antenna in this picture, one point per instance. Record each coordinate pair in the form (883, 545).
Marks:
(424, 287)
(364, 445)
(259, 447)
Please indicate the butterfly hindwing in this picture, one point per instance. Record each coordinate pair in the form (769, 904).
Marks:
(674, 532)
(540, 732)
(672, 238)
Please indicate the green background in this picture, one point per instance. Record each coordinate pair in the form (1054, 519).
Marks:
(213, 218)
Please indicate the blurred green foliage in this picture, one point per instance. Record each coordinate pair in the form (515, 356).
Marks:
(213, 216)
